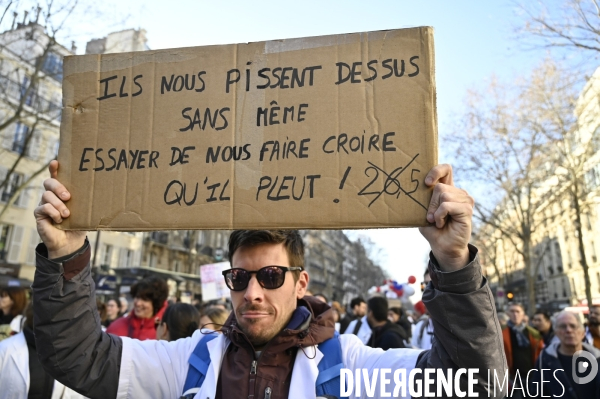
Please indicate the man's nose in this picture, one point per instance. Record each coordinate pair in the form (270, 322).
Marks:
(254, 291)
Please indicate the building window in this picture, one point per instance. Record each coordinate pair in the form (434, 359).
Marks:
(107, 254)
(32, 90)
(53, 66)
(4, 233)
(153, 259)
(20, 137)
(126, 258)
(14, 182)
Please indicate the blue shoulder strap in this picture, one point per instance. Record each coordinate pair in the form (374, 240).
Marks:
(199, 361)
(328, 381)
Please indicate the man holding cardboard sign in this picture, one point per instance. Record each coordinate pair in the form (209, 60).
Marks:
(327, 132)
(274, 342)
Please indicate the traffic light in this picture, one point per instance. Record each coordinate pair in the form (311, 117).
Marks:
(510, 295)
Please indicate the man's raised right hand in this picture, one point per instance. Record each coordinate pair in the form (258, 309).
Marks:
(51, 209)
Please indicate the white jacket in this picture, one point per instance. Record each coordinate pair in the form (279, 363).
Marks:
(422, 334)
(363, 333)
(14, 372)
(158, 369)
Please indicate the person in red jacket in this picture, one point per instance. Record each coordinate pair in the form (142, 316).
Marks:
(149, 303)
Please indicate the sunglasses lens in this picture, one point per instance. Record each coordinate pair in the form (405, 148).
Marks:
(271, 277)
(237, 279)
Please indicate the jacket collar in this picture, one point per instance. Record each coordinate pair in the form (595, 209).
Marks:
(304, 374)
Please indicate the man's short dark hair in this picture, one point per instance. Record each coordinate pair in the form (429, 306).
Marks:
(379, 306)
(151, 289)
(397, 310)
(356, 301)
(291, 239)
(545, 315)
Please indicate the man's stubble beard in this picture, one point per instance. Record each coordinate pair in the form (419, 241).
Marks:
(261, 337)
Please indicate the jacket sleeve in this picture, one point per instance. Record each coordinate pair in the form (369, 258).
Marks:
(69, 339)
(467, 333)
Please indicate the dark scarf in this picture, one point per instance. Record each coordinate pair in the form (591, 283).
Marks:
(519, 331)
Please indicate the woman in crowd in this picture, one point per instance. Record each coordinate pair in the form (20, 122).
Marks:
(214, 318)
(13, 301)
(101, 306)
(112, 312)
(149, 303)
(180, 320)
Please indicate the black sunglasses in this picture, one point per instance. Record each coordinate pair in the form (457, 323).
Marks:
(269, 277)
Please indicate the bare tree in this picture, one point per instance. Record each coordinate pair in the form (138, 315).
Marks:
(30, 85)
(502, 146)
(487, 243)
(30, 66)
(572, 128)
(573, 24)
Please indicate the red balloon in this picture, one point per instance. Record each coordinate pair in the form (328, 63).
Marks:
(412, 280)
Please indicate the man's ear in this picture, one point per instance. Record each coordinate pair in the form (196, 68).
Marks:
(302, 284)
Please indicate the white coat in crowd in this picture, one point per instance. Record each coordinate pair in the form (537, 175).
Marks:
(422, 334)
(364, 332)
(14, 372)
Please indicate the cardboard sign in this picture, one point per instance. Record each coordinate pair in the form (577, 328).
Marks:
(321, 132)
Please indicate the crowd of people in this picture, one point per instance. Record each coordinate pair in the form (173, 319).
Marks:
(544, 342)
(549, 345)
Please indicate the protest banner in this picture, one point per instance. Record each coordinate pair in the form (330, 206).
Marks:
(321, 132)
(213, 283)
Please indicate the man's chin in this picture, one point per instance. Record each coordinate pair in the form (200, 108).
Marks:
(257, 333)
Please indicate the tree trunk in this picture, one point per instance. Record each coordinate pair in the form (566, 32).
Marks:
(529, 275)
(579, 229)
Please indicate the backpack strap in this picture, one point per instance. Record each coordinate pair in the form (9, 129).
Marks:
(199, 361)
(357, 326)
(328, 381)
